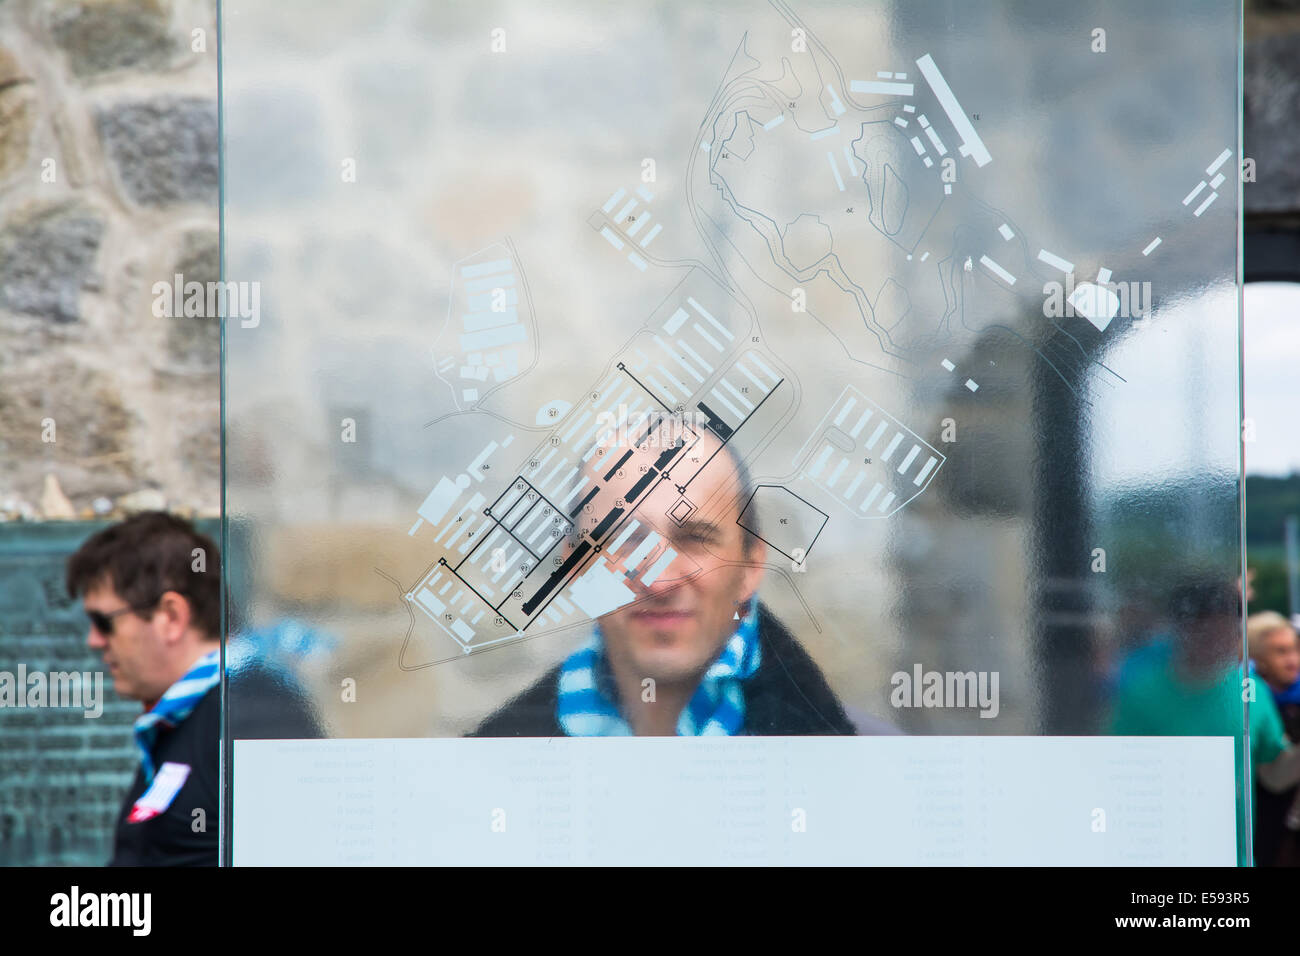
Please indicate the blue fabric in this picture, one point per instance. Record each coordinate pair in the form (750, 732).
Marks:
(281, 645)
(1288, 695)
(716, 708)
(177, 703)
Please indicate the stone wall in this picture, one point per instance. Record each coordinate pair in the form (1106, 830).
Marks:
(108, 184)
(1272, 95)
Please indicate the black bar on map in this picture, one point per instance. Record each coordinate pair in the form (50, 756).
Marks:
(606, 523)
(618, 464)
(557, 576)
(716, 424)
(591, 494)
(640, 486)
(668, 455)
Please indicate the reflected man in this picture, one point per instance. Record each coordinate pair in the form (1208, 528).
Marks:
(695, 653)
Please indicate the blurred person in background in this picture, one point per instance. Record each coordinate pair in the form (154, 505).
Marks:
(1189, 682)
(1275, 660)
(1275, 653)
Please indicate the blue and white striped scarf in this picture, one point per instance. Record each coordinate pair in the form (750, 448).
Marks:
(716, 708)
(177, 703)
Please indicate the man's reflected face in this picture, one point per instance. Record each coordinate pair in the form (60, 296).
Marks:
(680, 623)
(1212, 643)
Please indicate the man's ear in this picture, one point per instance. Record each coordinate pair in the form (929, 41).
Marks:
(173, 616)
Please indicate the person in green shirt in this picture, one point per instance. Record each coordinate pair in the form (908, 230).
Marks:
(1191, 682)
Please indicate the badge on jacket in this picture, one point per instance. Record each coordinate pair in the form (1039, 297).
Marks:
(166, 784)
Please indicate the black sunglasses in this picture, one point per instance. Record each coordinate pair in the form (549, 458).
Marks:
(104, 622)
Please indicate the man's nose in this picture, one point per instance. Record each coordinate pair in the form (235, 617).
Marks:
(94, 640)
(677, 572)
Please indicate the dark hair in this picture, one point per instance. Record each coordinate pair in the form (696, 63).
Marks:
(740, 497)
(746, 485)
(1202, 597)
(147, 555)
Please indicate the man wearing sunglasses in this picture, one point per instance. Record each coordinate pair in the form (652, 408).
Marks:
(151, 589)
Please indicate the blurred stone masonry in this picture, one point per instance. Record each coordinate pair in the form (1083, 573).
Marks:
(1272, 95)
(108, 184)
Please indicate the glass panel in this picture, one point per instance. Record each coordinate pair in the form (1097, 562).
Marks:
(860, 368)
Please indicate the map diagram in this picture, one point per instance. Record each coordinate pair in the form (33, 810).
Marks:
(850, 201)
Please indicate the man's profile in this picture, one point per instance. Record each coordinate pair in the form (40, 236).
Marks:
(151, 588)
(695, 653)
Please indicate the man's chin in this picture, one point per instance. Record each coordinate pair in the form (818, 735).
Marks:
(665, 659)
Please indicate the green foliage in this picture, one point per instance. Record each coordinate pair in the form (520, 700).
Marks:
(1268, 502)
(1269, 585)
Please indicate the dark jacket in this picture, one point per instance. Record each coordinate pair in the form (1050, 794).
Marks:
(181, 835)
(263, 703)
(1275, 843)
(786, 696)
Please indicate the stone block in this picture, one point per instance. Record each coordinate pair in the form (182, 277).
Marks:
(1272, 136)
(164, 149)
(17, 115)
(99, 36)
(194, 342)
(47, 256)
